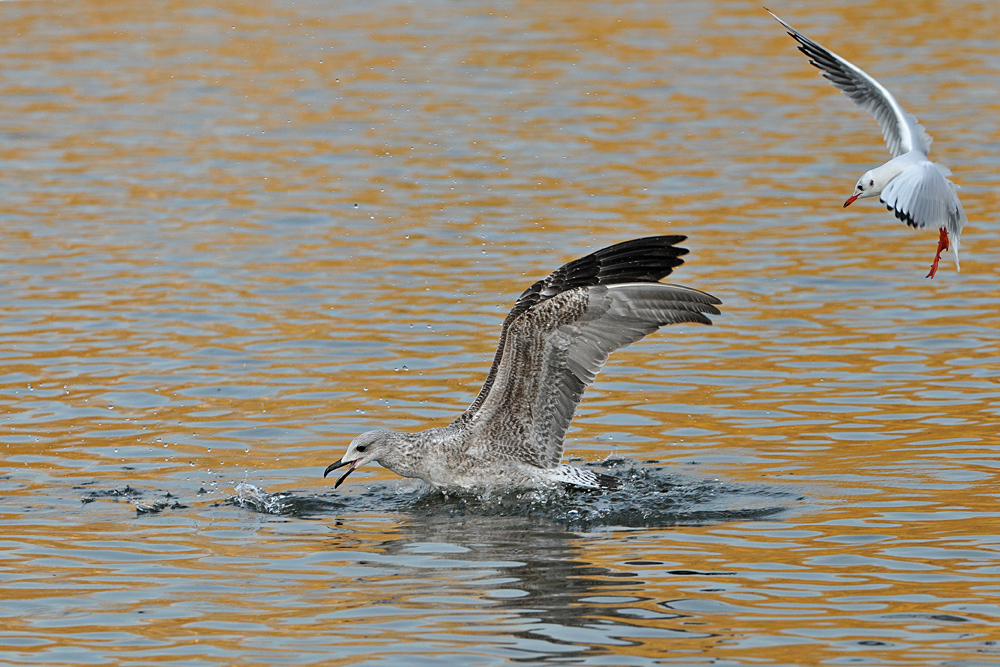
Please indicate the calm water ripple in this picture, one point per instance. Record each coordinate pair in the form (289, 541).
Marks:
(236, 236)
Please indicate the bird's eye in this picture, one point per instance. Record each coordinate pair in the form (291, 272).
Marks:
(361, 448)
(861, 188)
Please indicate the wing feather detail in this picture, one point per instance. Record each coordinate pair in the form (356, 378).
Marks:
(639, 260)
(555, 349)
(901, 130)
(922, 196)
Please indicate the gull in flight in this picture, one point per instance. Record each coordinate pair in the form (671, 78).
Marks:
(915, 189)
(552, 344)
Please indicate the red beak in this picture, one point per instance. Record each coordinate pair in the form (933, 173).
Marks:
(850, 200)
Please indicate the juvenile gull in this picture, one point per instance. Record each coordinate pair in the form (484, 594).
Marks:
(915, 189)
(552, 344)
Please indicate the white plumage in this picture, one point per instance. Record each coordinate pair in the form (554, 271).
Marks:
(915, 189)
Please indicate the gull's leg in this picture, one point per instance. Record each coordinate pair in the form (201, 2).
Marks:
(942, 246)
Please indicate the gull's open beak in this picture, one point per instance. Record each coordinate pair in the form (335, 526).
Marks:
(340, 464)
(850, 200)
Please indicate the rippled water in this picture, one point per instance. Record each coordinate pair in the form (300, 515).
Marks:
(236, 235)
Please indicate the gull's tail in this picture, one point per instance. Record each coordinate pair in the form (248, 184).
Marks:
(566, 474)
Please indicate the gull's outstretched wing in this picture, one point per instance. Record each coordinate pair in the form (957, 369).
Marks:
(640, 260)
(552, 351)
(901, 130)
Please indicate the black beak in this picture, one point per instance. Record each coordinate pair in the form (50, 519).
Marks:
(340, 464)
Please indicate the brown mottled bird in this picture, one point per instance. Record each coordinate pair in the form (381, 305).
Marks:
(552, 344)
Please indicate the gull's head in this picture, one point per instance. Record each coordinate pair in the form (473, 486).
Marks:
(868, 185)
(365, 448)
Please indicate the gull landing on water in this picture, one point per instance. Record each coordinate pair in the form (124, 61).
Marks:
(552, 344)
(915, 189)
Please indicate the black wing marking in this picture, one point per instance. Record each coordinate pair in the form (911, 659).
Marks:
(640, 260)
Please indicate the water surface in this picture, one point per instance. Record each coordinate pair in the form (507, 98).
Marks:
(235, 236)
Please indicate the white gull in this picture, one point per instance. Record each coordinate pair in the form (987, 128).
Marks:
(552, 344)
(915, 189)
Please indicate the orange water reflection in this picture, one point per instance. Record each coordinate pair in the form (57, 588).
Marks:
(235, 236)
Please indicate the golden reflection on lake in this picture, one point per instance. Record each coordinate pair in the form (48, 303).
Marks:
(235, 236)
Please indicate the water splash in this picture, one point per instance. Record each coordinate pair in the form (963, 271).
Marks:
(134, 496)
(154, 507)
(648, 497)
(253, 498)
(125, 492)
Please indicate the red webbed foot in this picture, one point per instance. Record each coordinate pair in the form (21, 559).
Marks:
(942, 246)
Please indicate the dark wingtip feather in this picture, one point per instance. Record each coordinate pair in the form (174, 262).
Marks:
(647, 259)
(642, 260)
(903, 216)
